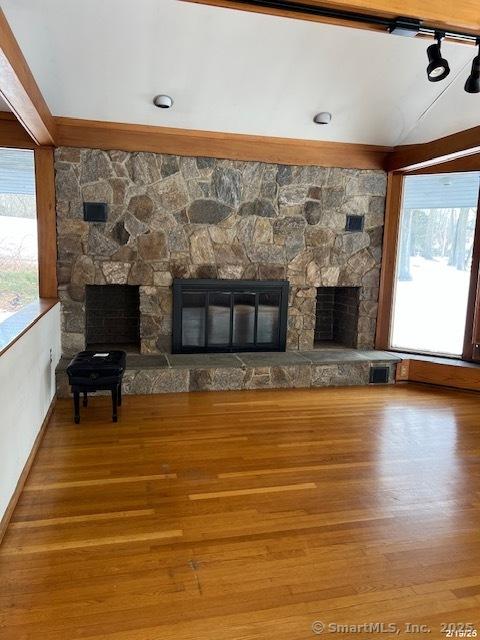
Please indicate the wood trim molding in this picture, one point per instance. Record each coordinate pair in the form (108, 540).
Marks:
(20, 91)
(46, 222)
(12, 134)
(460, 16)
(73, 132)
(467, 163)
(452, 147)
(7, 516)
(389, 259)
(459, 375)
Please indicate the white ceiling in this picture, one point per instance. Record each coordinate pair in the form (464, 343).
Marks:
(237, 72)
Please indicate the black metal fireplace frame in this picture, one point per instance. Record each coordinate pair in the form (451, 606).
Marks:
(208, 286)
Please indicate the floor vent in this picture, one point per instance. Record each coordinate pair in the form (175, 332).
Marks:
(379, 375)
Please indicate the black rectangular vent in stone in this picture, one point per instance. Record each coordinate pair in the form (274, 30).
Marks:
(95, 211)
(379, 375)
(113, 315)
(354, 223)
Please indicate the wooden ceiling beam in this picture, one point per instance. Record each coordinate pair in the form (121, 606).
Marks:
(420, 156)
(462, 15)
(72, 132)
(12, 134)
(20, 91)
(467, 163)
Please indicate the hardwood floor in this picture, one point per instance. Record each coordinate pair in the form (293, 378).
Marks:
(249, 515)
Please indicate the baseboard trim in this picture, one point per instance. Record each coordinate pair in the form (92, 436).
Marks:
(455, 374)
(5, 521)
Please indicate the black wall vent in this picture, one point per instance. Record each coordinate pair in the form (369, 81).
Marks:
(354, 223)
(95, 211)
(379, 375)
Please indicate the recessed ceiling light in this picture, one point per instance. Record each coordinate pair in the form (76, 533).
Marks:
(324, 117)
(162, 101)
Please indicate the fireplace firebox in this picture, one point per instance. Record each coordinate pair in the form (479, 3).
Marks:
(112, 316)
(229, 315)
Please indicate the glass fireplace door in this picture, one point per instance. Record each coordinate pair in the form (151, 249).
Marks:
(223, 315)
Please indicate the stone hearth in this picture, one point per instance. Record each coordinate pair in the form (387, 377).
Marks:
(188, 217)
(167, 373)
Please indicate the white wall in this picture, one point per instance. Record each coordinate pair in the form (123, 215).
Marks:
(27, 386)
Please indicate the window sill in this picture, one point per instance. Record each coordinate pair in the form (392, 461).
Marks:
(19, 323)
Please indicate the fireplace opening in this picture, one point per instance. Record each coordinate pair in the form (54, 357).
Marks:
(229, 315)
(112, 317)
(336, 322)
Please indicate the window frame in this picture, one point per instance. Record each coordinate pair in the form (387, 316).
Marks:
(13, 136)
(393, 212)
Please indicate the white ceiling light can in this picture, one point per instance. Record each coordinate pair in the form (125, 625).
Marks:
(324, 117)
(162, 101)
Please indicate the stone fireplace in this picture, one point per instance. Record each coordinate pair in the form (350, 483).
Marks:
(181, 217)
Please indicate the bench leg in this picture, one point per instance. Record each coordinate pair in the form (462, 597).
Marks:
(85, 399)
(114, 403)
(76, 406)
(120, 395)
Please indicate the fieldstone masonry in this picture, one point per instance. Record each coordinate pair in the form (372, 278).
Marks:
(172, 216)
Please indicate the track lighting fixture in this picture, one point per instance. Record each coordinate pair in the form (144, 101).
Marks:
(472, 85)
(438, 68)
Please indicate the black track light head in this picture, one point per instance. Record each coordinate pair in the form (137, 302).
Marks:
(472, 85)
(438, 68)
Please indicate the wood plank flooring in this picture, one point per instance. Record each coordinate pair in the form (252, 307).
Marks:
(249, 515)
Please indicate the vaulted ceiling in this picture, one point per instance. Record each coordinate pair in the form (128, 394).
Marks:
(238, 72)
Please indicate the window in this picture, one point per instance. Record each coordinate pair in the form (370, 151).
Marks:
(434, 260)
(18, 231)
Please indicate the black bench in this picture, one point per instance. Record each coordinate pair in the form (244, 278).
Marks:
(92, 371)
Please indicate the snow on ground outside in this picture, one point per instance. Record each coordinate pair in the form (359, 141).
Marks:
(18, 232)
(430, 310)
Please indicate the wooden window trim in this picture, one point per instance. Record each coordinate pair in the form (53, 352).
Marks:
(393, 210)
(46, 222)
(12, 135)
